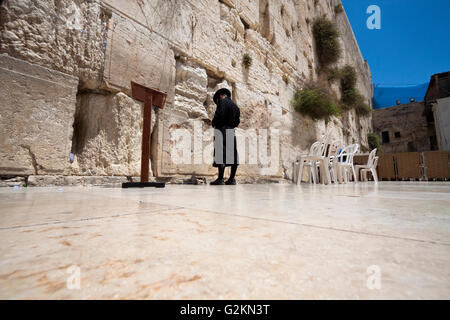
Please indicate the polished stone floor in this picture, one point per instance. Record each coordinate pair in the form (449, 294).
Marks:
(354, 241)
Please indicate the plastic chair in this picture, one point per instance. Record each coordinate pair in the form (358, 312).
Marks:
(333, 158)
(371, 167)
(315, 150)
(345, 163)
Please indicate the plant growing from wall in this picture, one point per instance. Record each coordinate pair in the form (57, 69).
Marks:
(333, 73)
(338, 8)
(348, 77)
(247, 60)
(374, 141)
(363, 109)
(315, 101)
(351, 97)
(326, 37)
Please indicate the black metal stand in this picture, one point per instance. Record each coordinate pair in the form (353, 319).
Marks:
(143, 184)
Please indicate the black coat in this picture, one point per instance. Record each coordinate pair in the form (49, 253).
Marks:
(226, 118)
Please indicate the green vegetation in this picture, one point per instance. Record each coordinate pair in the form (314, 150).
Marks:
(374, 141)
(363, 109)
(327, 41)
(333, 74)
(316, 102)
(348, 77)
(247, 60)
(351, 97)
(338, 8)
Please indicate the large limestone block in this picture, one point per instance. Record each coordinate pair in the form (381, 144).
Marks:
(191, 90)
(249, 12)
(253, 106)
(187, 145)
(231, 16)
(134, 53)
(63, 35)
(161, 16)
(108, 135)
(217, 46)
(37, 106)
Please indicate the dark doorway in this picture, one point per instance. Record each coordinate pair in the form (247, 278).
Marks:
(385, 136)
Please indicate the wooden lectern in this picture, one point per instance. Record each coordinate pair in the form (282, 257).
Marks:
(150, 97)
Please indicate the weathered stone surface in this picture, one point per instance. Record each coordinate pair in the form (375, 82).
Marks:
(441, 111)
(36, 117)
(188, 49)
(191, 90)
(55, 180)
(409, 121)
(13, 182)
(160, 16)
(63, 35)
(107, 135)
(134, 53)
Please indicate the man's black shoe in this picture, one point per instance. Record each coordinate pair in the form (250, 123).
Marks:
(217, 182)
(231, 182)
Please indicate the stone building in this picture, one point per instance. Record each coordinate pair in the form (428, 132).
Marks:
(405, 128)
(417, 126)
(438, 100)
(66, 68)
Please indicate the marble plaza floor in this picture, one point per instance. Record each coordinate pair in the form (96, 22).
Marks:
(354, 241)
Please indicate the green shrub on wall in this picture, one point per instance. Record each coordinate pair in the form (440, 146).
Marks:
(316, 102)
(338, 8)
(374, 141)
(351, 97)
(348, 77)
(363, 109)
(247, 60)
(326, 37)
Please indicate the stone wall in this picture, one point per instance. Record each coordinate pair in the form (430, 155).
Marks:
(63, 35)
(37, 105)
(441, 111)
(409, 121)
(189, 49)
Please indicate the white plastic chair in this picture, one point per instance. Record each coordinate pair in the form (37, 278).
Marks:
(345, 163)
(333, 154)
(315, 150)
(371, 167)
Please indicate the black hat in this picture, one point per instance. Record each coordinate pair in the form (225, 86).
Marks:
(219, 92)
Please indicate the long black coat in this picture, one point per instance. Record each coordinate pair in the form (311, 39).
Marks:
(226, 118)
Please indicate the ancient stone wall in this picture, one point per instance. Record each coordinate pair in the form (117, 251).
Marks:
(37, 106)
(407, 127)
(189, 49)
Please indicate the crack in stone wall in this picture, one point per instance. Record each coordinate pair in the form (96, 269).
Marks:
(36, 166)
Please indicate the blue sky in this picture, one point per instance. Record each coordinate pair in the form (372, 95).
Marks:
(412, 44)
